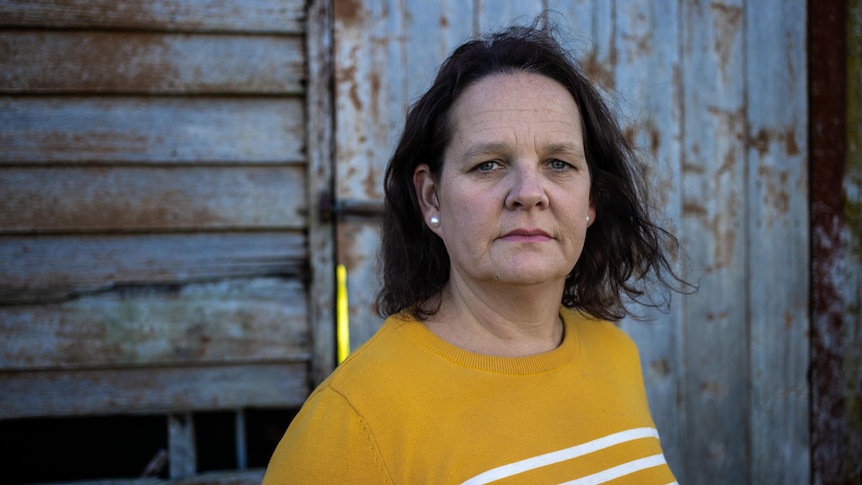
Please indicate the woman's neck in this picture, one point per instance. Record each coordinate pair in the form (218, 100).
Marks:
(500, 321)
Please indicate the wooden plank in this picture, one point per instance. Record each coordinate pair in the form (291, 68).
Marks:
(715, 347)
(370, 94)
(87, 199)
(151, 390)
(236, 321)
(183, 461)
(134, 62)
(777, 111)
(646, 42)
(492, 15)
(41, 268)
(320, 173)
(590, 25)
(151, 129)
(433, 30)
(371, 101)
(282, 16)
(576, 19)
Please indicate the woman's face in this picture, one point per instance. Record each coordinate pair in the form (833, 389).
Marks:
(513, 196)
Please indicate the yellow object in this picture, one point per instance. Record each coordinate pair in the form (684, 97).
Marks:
(410, 407)
(341, 312)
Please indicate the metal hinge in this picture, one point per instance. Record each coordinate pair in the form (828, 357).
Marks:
(331, 209)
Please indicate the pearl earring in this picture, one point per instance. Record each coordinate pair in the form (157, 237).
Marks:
(588, 219)
(435, 221)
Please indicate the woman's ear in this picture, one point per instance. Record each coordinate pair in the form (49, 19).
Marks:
(426, 193)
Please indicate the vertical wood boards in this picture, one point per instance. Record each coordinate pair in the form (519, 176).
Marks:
(491, 15)
(716, 346)
(778, 227)
(321, 170)
(366, 94)
(385, 55)
(181, 443)
(646, 73)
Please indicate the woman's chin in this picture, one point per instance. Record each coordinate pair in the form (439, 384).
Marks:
(530, 276)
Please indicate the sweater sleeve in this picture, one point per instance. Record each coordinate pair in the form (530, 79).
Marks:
(327, 442)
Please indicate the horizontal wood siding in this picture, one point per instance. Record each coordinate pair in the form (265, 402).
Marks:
(143, 129)
(151, 389)
(233, 321)
(39, 61)
(146, 199)
(252, 16)
(153, 206)
(50, 267)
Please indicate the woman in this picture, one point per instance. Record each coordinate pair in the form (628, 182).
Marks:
(515, 226)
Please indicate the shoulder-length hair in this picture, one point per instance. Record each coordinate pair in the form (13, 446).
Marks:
(623, 251)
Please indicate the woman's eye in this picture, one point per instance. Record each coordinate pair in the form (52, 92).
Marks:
(486, 166)
(558, 165)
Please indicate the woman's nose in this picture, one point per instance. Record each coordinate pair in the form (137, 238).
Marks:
(526, 190)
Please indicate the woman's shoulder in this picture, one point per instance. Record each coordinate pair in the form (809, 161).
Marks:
(379, 358)
(596, 331)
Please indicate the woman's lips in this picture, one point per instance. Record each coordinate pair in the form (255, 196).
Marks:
(526, 235)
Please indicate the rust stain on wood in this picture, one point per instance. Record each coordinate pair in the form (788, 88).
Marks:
(776, 194)
(349, 13)
(763, 139)
(599, 72)
(728, 21)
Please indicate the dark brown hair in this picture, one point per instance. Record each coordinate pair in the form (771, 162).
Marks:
(624, 250)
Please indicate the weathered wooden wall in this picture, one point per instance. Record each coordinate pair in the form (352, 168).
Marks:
(158, 206)
(714, 96)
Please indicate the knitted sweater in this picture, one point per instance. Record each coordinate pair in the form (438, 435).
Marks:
(408, 407)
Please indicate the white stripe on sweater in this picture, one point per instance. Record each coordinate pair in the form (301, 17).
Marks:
(563, 455)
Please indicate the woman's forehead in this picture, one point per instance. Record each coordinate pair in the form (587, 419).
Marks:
(514, 108)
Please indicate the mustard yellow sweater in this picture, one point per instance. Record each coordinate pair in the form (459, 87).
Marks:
(407, 407)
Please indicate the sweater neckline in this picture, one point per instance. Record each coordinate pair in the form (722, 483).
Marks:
(532, 364)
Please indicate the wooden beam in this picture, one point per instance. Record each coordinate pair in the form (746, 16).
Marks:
(261, 16)
(147, 198)
(320, 180)
(151, 390)
(778, 235)
(40, 61)
(75, 129)
(182, 450)
(235, 321)
(50, 268)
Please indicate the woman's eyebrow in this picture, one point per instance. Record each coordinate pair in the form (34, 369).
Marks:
(566, 148)
(484, 149)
